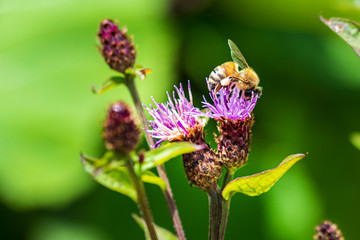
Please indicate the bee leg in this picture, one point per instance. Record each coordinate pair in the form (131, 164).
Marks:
(248, 93)
(218, 87)
(225, 81)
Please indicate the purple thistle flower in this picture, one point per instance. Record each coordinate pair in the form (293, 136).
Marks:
(178, 120)
(232, 111)
(175, 120)
(230, 105)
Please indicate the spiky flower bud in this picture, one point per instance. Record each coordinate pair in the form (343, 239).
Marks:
(121, 133)
(178, 120)
(328, 231)
(117, 49)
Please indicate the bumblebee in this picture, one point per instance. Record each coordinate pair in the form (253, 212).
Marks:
(228, 75)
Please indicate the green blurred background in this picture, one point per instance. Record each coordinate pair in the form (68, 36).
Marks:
(311, 98)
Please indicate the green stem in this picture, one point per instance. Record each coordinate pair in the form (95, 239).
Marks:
(215, 206)
(225, 206)
(160, 168)
(142, 199)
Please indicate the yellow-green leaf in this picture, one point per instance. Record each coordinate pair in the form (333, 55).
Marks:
(162, 233)
(259, 183)
(150, 177)
(165, 153)
(116, 178)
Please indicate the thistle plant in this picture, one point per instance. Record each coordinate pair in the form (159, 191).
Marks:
(175, 128)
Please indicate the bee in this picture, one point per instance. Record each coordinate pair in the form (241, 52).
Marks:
(228, 75)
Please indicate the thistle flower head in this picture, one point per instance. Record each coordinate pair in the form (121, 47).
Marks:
(116, 48)
(328, 231)
(232, 111)
(232, 105)
(175, 120)
(178, 120)
(121, 133)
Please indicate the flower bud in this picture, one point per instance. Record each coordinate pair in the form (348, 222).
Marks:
(328, 231)
(234, 142)
(121, 133)
(117, 49)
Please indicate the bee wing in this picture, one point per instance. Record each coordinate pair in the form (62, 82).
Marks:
(236, 55)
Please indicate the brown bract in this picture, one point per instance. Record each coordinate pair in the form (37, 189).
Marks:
(234, 142)
(202, 168)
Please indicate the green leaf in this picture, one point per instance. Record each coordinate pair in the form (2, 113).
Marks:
(355, 139)
(109, 84)
(113, 176)
(165, 153)
(150, 177)
(259, 183)
(347, 29)
(162, 233)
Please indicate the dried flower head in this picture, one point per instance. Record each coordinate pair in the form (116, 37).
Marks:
(177, 120)
(202, 167)
(232, 110)
(117, 49)
(328, 231)
(121, 133)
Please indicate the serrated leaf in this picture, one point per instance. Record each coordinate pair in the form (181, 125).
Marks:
(165, 153)
(347, 29)
(162, 233)
(355, 139)
(113, 177)
(259, 183)
(109, 84)
(150, 177)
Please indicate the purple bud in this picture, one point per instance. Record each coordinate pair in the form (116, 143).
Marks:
(328, 231)
(116, 48)
(121, 133)
(141, 156)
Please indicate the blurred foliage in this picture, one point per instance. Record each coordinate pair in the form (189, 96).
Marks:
(355, 139)
(162, 233)
(48, 63)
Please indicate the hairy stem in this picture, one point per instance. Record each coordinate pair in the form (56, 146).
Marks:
(215, 206)
(160, 168)
(225, 206)
(142, 199)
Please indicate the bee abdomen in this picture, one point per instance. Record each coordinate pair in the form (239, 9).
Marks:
(215, 77)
